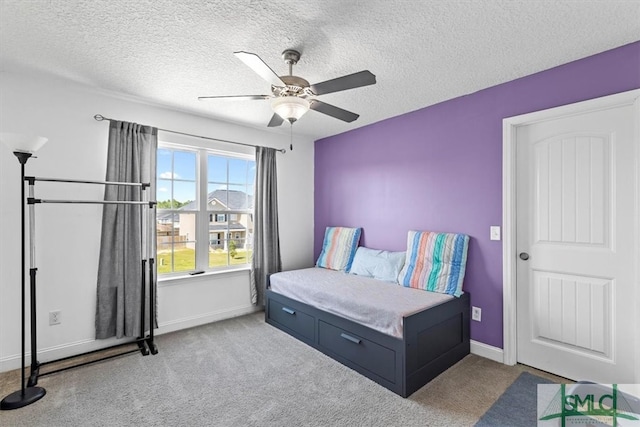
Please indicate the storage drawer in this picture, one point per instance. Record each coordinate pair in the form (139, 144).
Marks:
(364, 353)
(292, 319)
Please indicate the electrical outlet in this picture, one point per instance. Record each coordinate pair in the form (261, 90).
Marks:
(55, 317)
(476, 314)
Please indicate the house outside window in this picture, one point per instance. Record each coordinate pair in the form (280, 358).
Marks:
(205, 197)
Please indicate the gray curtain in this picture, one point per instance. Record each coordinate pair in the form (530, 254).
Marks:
(131, 157)
(266, 240)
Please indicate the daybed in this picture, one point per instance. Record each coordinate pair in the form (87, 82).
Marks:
(399, 337)
(399, 318)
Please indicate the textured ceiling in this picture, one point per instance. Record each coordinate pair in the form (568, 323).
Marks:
(422, 52)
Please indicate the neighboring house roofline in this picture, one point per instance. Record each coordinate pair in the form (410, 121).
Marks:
(236, 200)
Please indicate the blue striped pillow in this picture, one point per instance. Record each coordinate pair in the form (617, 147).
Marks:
(338, 248)
(435, 262)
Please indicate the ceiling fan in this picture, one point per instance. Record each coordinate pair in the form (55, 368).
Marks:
(292, 96)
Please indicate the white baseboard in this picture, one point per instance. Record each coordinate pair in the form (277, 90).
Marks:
(202, 319)
(12, 362)
(487, 351)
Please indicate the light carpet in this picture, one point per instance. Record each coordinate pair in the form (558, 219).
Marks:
(243, 372)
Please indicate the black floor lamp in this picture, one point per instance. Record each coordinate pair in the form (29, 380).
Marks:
(23, 148)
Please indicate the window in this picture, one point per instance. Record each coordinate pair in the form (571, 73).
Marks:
(230, 182)
(176, 210)
(204, 199)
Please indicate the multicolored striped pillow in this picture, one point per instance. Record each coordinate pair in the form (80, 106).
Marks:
(435, 262)
(339, 248)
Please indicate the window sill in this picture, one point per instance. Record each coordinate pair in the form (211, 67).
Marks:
(171, 280)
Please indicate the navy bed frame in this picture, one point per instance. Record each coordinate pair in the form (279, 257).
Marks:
(433, 340)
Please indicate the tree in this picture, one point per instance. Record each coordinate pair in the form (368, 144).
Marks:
(232, 249)
(171, 204)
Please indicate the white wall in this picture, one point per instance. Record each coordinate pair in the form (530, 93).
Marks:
(68, 235)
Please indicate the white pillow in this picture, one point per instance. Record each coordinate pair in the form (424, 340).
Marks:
(381, 265)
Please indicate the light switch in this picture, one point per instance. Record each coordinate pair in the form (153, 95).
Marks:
(495, 232)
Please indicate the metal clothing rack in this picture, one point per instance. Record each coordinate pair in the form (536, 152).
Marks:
(145, 341)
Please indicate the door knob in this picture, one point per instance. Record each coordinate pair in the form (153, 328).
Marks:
(524, 256)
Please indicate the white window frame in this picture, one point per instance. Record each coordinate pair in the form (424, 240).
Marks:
(202, 213)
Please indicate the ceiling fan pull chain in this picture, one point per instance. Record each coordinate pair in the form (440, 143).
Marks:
(291, 133)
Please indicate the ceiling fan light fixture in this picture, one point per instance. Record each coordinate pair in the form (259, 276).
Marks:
(290, 108)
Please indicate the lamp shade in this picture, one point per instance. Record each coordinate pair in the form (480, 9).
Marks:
(290, 108)
(22, 143)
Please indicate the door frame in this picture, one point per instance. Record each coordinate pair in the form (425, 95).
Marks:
(509, 174)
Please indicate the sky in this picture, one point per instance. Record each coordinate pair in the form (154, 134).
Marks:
(181, 168)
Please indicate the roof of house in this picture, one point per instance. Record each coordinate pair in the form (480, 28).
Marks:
(235, 199)
(233, 226)
(231, 199)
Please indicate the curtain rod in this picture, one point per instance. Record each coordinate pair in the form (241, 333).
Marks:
(100, 117)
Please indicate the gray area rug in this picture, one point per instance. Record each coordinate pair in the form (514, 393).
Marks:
(518, 404)
(243, 372)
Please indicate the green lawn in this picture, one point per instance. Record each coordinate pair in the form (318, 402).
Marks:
(185, 260)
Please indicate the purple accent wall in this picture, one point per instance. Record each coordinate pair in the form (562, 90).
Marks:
(440, 169)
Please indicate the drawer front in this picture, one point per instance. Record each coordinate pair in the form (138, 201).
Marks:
(364, 353)
(292, 319)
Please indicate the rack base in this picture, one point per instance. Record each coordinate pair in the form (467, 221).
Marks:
(141, 346)
(21, 398)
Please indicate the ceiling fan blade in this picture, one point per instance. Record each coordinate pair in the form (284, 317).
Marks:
(363, 78)
(258, 65)
(276, 120)
(333, 111)
(238, 97)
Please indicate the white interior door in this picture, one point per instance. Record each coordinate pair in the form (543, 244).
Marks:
(577, 196)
